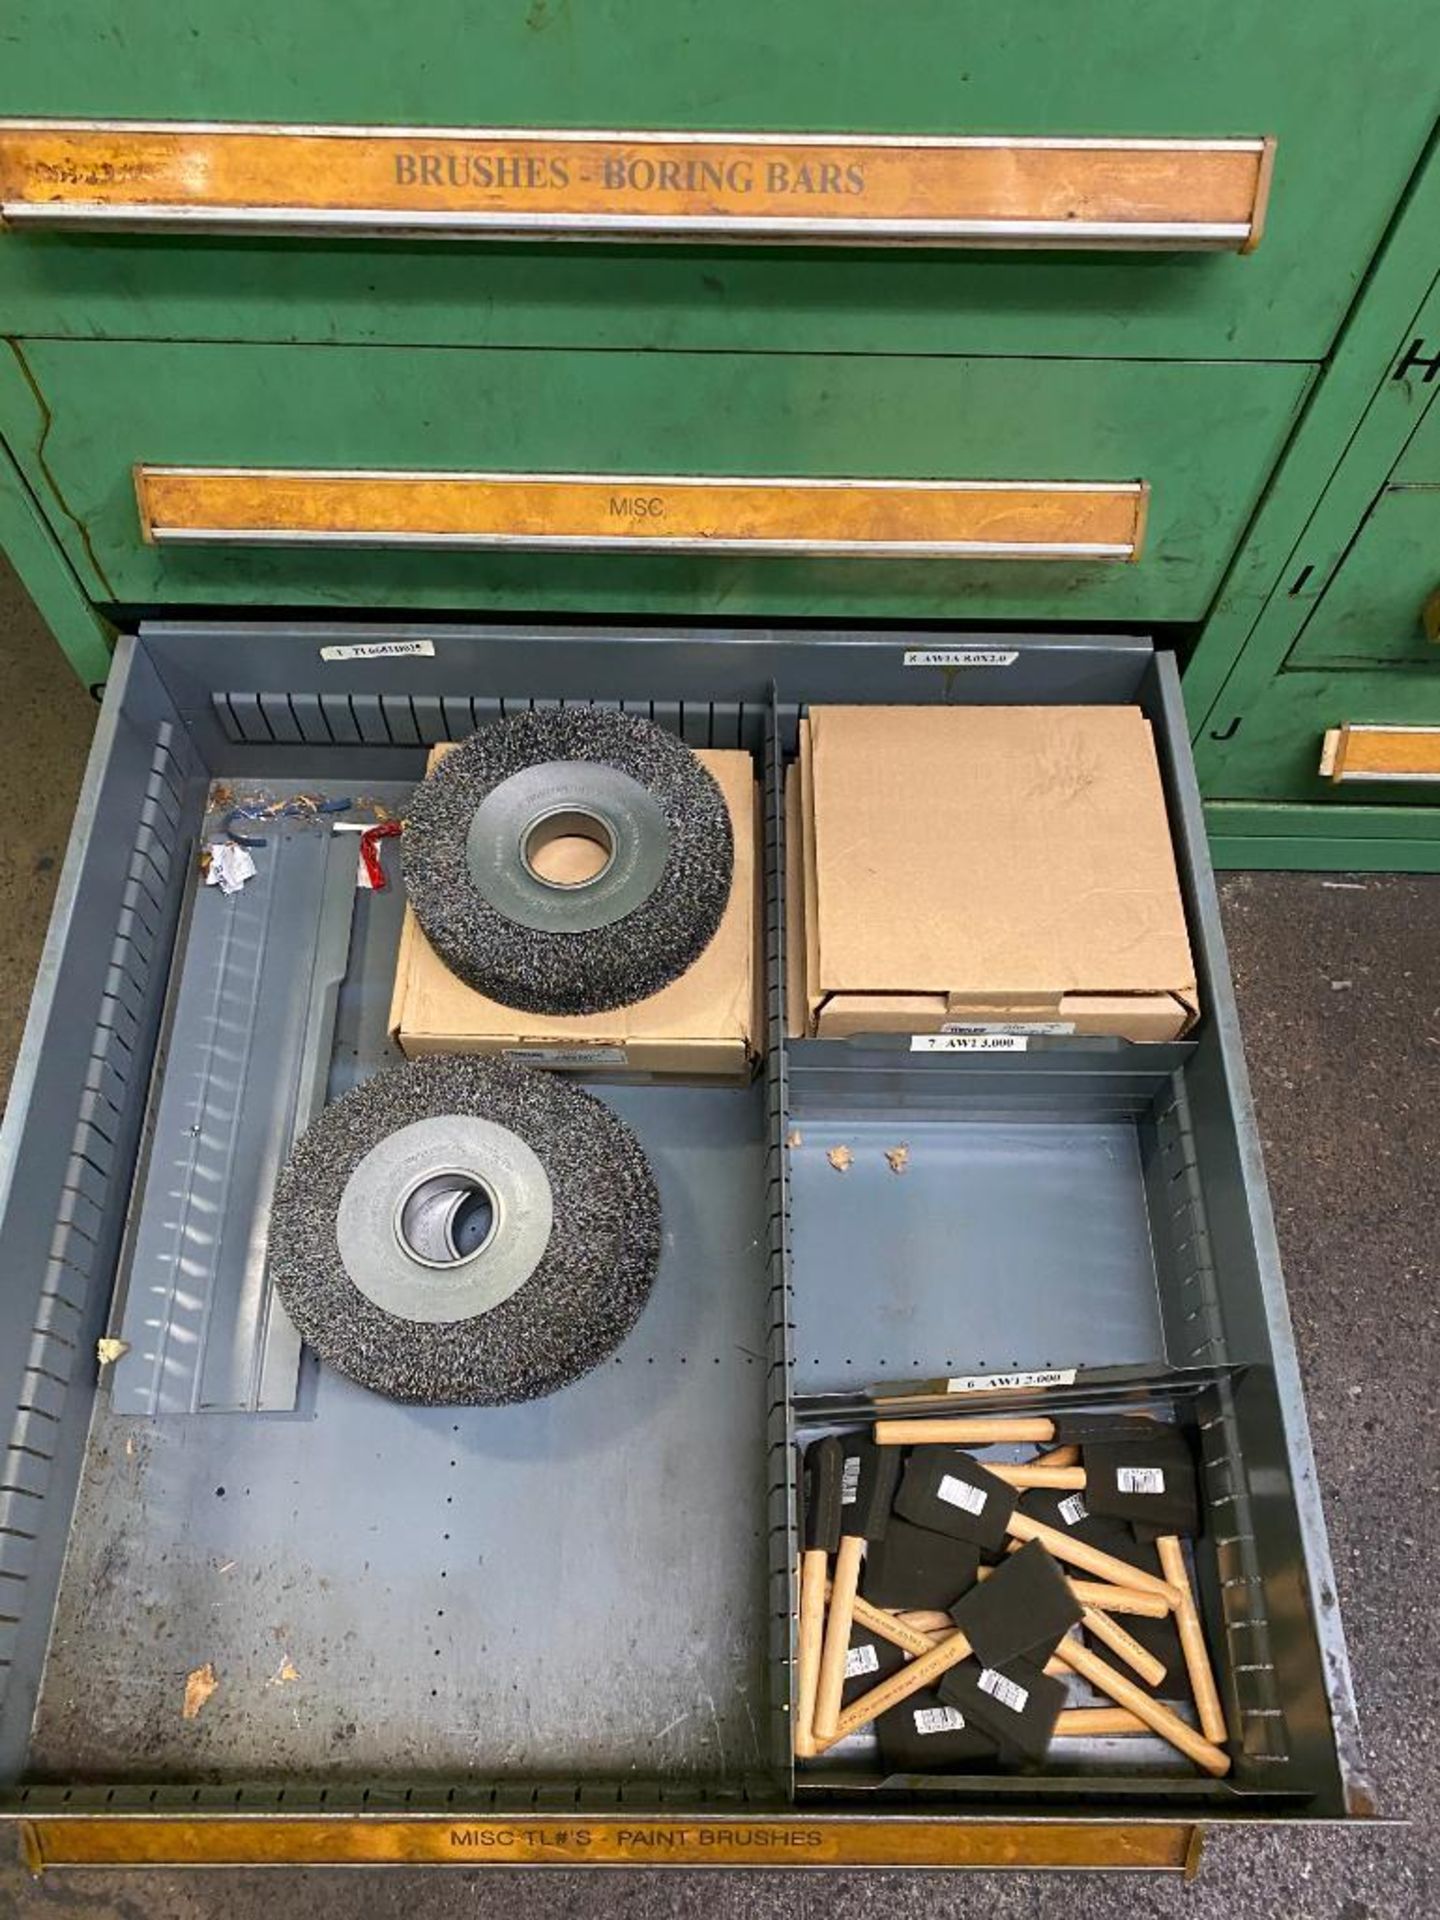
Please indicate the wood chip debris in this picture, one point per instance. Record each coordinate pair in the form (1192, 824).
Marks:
(899, 1157)
(794, 1139)
(200, 1683)
(284, 1673)
(841, 1158)
(107, 1352)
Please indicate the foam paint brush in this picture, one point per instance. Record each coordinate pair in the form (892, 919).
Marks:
(915, 1568)
(820, 1536)
(945, 1489)
(1015, 1703)
(1147, 1479)
(1026, 1607)
(1158, 1717)
(1038, 1430)
(867, 1487)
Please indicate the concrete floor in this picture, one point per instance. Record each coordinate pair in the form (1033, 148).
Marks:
(1339, 985)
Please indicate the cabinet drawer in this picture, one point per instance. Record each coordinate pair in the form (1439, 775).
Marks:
(1276, 750)
(1120, 1183)
(361, 475)
(1373, 611)
(1341, 100)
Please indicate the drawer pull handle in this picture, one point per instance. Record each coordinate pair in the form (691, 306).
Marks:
(915, 519)
(1361, 754)
(991, 191)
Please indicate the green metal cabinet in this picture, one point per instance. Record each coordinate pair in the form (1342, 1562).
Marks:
(1321, 621)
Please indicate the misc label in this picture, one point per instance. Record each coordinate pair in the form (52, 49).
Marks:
(969, 1042)
(1073, 1510)
(861, 1660)
(960, 657)
(1005, 1691)
(1140, 1479)
(381, 650)
(850, 1480)
(1061, 1027)
(960, 1493)
(568, 1056)
(939, 1720)
(995, 1382)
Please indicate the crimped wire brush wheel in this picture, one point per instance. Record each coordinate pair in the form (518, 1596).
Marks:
(464, 1231)
(473, 857)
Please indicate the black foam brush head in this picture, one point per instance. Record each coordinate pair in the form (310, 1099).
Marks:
(945, 1489)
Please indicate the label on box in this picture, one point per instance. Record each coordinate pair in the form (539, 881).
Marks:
(960, 1493)
(1005, 1691)
(939, 1720)
(381, 650)
(996, 1382)
(1140, 1479)
(969, 1042)
(1073, 1510)
(861, 1660)
(850, 1480)
(960, 657)
(568, 1056)
(1009, 1026)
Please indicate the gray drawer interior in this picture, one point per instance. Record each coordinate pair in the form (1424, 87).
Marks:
(588, 1601)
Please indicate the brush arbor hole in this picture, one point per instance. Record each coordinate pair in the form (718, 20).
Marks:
(568, 847)
(446, 1218)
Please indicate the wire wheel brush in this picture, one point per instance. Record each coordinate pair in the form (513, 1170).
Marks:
(463, 1231)
(483, 830)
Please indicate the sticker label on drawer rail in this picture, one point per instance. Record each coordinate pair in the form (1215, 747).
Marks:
(960, 657)
(381, 650)
(1000, 1382)
(969, 1042)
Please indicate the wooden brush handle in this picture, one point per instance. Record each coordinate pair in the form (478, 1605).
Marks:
(814, 1571)
(1103, 1565)
(837, 1635)
(965, 1430)
(1033, 1474)
(1156, 1716)
(1060, 1457)
(1077, 1721)
(929, 1666)
(901, 1631)
(1128, 1648)
(1106, 1598)
(1192, 1640)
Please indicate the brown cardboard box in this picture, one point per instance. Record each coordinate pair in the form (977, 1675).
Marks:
(973, 865)
(704, 1025)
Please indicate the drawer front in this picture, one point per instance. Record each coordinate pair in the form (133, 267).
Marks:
(376, 477)
(1382, 605)
(1341, 102)
(1277, 750)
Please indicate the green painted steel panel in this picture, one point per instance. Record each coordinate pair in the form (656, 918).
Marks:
(36, 555)
(1371, 612)
(1349, 96)
(1327, 839)
(1273, 751)
(80, 414)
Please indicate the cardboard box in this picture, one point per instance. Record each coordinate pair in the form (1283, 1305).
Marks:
(969, 866)
(704, 1025)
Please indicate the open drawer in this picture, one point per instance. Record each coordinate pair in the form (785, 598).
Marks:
(563, 1631)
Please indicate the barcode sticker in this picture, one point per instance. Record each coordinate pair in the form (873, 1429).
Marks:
(1073, 1510)
(1005, 1691)
(861, 1660)
(997, 1382)
(960, 1493)
(850, 1480)
(1061, 1027)
(960, 657)
(969, 1042)
(939, 1720)
(568, 1056)
(381, 650)
(1140, 1479)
